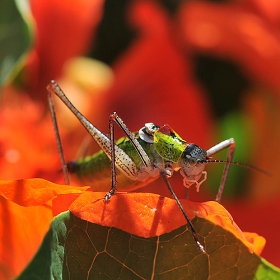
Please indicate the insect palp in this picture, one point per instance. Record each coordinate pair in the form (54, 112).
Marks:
(189, 180)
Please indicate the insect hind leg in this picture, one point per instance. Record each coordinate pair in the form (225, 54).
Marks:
(229, 143)
(120, 158)
(58, 140)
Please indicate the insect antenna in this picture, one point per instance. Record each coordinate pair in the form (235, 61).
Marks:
(248, 166)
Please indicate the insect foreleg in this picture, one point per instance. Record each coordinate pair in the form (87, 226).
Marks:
(224, 144)
(164, 175)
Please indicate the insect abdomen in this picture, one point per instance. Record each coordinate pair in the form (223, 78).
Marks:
(95, 170)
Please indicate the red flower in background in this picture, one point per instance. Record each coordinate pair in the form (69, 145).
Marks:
(154, 80)
(63, 31)
(26, 141)
(242, 32)
(247, 33)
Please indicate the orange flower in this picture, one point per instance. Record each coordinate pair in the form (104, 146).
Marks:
(66, 35)
(141, 214)
(148, 215)
(25, 147)
(154, 81)
(239, 31)
(22, 230)
(26, 212)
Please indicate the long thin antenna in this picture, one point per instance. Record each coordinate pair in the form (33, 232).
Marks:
(254, 168)
(58, 140)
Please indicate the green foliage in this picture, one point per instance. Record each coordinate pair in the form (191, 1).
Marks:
(267, 271)
(15, 37)
(76, 249)
(238, 126)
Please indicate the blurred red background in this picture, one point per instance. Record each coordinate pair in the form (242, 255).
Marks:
(210, 70)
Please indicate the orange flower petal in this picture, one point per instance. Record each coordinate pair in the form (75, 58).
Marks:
(257, 241)
(34, 192)
(54, 46)
(218, 215)
(22, 230)
(150, 215)
(235, 32)
(62, 202)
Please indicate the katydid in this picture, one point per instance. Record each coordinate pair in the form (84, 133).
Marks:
(141, 157)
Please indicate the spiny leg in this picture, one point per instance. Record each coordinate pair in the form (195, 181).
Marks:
(113, 161)
(224, 144)
(123, 161)
(120, 158)
(194, 233)
(58, 140)
(141, 152)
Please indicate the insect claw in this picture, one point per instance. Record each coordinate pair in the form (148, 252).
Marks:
(108, 195)
(200, 247)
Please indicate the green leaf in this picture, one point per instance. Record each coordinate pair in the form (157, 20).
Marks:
(238, 125)
(76, 249)
(15, 37)
(267, 271)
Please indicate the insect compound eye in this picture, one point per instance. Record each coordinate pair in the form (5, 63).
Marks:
(191, 161)
(193, 155)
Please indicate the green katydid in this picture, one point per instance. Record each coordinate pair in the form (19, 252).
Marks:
(141, 157)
